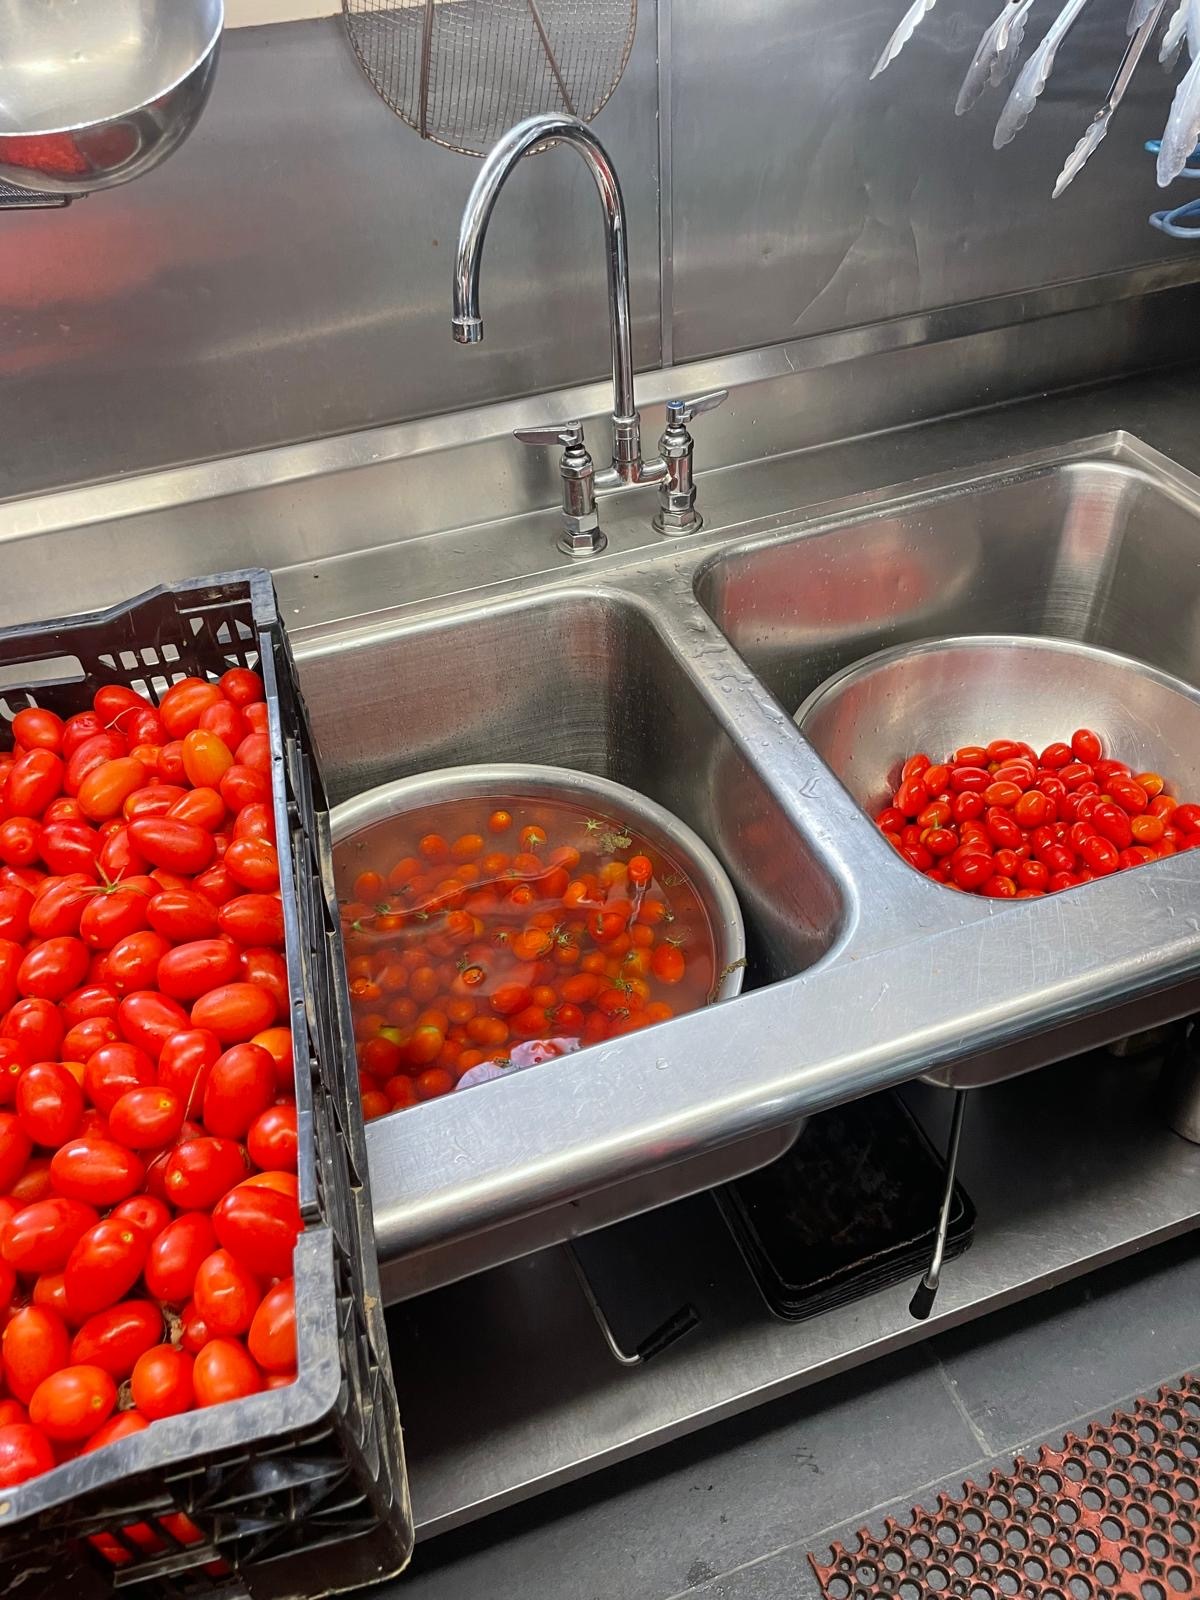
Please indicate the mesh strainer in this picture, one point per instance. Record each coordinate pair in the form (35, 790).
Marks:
(463, 71)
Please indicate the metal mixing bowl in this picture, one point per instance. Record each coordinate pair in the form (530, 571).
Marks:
(613, 801)
(938, 695)
(96, 92)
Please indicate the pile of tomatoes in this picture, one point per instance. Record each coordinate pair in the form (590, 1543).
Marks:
(1004, 821)
(478, 933)
(148, 1191)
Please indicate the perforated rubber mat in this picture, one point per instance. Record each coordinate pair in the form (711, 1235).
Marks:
(1113, 1515)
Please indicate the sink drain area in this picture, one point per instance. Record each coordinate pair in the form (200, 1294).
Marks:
(1112, 1515)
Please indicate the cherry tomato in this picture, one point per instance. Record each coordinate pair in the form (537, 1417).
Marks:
(185, 702)
(667, 963)
(118, 1427)
(266, 969)
(153, 800)
(49, 1103)
(242, 786)
(253, 919)
(147, 1118)
(277, 1042)
(175, 1255)
(20, 840)
(103, 1266)
(240, 1087)
(95, 1170)
(132, 963)
(260, 1227)
(106, 788)
(185, 1062)
(35, 779)
(114, 1069)
(204, 808)
(272, 1336)
(241, 686)
(15, 1150)
(201, 1170)
(255, 820)
(114, 1338)
(162, 1382)
(254, 864)
(1113, 824)
(72, 1403)
(224, 1370)
(181, 847)
(235, 1012)
(15, 904)
(69, 847)
(206, 758)
(148, 1019)
(1086, 745)
(25, 1452)
(113, 915)
(34, 1344)
(272, 1140)
(38, 729)
(191, 970)
(226, 721)
(1130, 796)
(182, 915)
(52, 969)
(226, 1293)
(39, 1237)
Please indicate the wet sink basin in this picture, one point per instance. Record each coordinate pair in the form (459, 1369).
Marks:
(677, 672)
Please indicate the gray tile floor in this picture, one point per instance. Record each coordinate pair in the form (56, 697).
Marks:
(731, 1513)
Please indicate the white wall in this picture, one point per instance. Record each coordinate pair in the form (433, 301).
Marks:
(245, 13)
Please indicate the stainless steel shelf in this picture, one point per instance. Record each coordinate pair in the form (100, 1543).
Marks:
(507, 1390)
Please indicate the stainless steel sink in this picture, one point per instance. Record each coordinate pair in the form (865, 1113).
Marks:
(676, 666)
(578, 679)
(1103, 551)
(676, 670)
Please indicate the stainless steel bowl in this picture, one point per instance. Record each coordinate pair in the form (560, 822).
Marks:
(943, 693)
(96, 92)
(612, 800)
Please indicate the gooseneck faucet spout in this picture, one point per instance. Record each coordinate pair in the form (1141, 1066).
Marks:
(627, 464)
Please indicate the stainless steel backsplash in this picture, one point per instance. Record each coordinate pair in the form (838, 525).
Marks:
(287, 274)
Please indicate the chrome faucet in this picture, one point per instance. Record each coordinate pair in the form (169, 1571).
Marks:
(627, 465)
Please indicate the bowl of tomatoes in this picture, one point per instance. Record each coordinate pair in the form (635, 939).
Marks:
(495, 917)
(1014, 765)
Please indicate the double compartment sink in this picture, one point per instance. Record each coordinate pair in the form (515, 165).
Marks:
(677, 672)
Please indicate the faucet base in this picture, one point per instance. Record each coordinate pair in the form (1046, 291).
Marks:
(584, 542)
(672, 525)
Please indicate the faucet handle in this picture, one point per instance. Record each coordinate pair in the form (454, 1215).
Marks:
(568, 434)
(680, 412)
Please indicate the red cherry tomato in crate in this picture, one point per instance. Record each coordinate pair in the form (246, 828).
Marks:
(162, 1382)
(72, 1403)
(49, 1103)
(260, 1226)
(272, 1336)
(114, 1338)
(175, 1255)
(95, 1170)
(25, 1452)
(40, 1237)
(224, 1370)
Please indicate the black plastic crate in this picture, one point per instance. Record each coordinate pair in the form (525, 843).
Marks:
(302, 1490)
